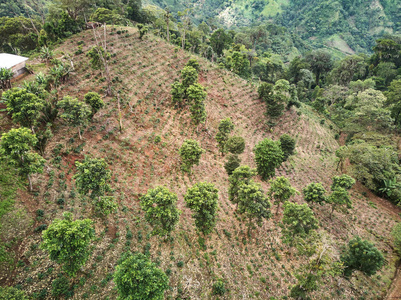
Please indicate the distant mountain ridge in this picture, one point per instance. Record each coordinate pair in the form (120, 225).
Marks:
(348, 25)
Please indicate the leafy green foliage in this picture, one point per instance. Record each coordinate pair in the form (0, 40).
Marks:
(373, 165)
(287, 144)
(143, 29)
(177, 93)
(344, 181)
(92, 177)
(235, 145)
(241, 175)
(189, 76)
(225, 128)
(196, 97)
(24, 107)
(233, 162)
(219, 41)
(202, 199)
(160, 206)
(61, 287)
(253, 203)
(5, 78)
(320, 62)
(219, 288)
(95, 54)
(68, 241)
(11, 293)
(315, 192)
(94, 101)
(137, 278)
(16, 146)
(75, 112)
(363, 256)
(298, 220)
(281, 190)
(268, 156)
(193, 63)
(190, 153)
(338, 198)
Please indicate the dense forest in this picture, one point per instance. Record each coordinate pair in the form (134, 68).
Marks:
(213, 150)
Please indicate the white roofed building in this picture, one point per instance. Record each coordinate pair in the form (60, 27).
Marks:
(14, 62)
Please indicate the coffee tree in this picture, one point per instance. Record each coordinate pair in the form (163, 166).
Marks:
(226, 126)
(68, 242)
(241, 175)
(281, 190)
(253, 203)
(190, 153)
(75, 112)
(16, 148)
(202, 199)
(315, 193)
(94, 100)
(235, 145)
(137, 278)
(268, 156)
(160, 206)
(363, 256)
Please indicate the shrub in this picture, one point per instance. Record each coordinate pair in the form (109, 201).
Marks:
(233, 162)
(268, 156)
(136, 277)
(190, 153)
(235, 145)
(287, 144)
(219, 288)
(363, 256)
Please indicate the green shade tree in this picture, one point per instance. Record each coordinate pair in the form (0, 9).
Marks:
(363, 256)
(196, 95)
(320, 62)
(344, 181)
(75, 112)
(137, 278)
(93, 176)
(287, 144)
(338, 198)
(226, 126)
(235, 145)
(160, 206)
(268, 156)
(281, 190)
(220, 40)
(24, 107)
(241, 175)
(233, 162)
(94, 100)
(189, 76)
(16, 147)
(202, 199)
(190, 153)
(315, 193)
(68, 242)
(394, 100)
(298, 220)
(253, 203)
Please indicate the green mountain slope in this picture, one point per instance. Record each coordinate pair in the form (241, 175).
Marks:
(350, 26)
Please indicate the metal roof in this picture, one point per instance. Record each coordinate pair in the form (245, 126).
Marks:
(10, 60)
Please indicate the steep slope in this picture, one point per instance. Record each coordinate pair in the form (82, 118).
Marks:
(258, 266)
